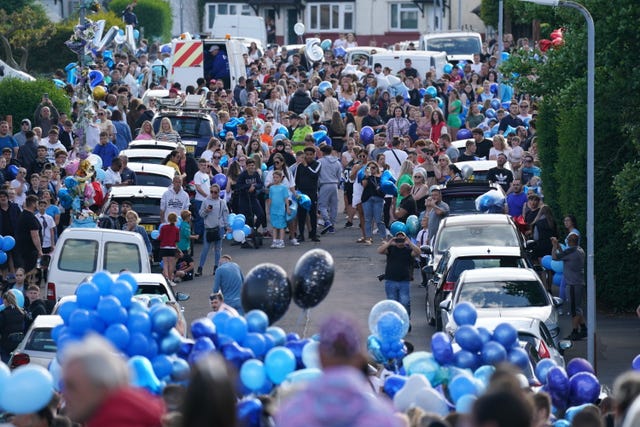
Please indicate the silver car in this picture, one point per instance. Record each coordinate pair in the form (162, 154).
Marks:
(37, 345)
(503, 293)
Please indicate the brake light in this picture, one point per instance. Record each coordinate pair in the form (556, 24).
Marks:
(19, 359)
(448, 286)
(543, 351)
(51, 291)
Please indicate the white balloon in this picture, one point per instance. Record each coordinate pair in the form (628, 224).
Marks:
(238, 236)
(405, 398)
(298, 29)
(393, 80)
(311, 355)
(383, 82)
(431, 401)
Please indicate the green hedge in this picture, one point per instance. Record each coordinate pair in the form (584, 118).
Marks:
(20, 98)
(154, 16)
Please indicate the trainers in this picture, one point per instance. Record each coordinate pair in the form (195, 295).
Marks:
(198, 272)
(326, 228)
(348, 224)
(314, 239)
(274, 245)
(281, 244)
(332, 230)
(172, 283)
(294, 242)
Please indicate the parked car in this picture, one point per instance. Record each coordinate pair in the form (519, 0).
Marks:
(195, 126)
(80, 252)
(152, 143)
(459, 259)
(146, 155)
(461, 195)
(37, 345)
(151, 175)
(502, 293)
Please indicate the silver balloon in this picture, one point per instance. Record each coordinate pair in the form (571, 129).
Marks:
(299, 29)
(130, 40)
(99, 30)
(108, 38)
(466, 171)
(119, 39)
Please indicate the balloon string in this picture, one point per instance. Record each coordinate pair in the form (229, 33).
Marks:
(307, 314)
(299, 321)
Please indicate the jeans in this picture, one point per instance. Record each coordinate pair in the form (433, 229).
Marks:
(198, 221)
(207, 246)
(373, 213)
(328, 203)
(399, 291)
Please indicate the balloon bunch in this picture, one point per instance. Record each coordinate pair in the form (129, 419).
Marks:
(231, 126)
(239, 227)
(141, 327)
(28, 380)
(464, 133)
(7, 243)
(302, 200)
(548, 263)
(321, 136)
(80, 192)
(490, 202)
(413, 226)
(569, 388)
(388, 324)
(556, 41)
(221, 180)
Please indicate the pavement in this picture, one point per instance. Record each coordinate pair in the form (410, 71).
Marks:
(356, 289)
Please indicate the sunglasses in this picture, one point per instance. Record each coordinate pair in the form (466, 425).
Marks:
(417, 176)
(277, 162)
(269, 117)
(429, 151)
(216, 157)
(215, 192)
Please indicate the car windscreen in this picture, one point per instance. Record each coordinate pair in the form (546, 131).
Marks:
(79, 255)
(504, 294)
(40, 340)
(473, 263)
(147, 159)
(188, 126)
(142, 206)
(459, 205)
(153, 180)
(120, 256)
(477, 235)
(455, 45)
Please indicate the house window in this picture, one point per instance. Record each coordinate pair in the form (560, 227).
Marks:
(404, 16)
(215, 9)
(330, 17)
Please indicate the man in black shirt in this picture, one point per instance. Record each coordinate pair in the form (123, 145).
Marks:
(500, 174)
(407, 206)
(373, 119)
(469, 154)
(248, 186)
(307, 175)
(28, 236)
(289, 158)
(409, 71)
(510, 120)
(483, 145)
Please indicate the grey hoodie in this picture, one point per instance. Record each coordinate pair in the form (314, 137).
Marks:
(331, 170)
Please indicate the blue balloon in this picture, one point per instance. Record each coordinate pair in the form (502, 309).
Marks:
(493, 353)
(95, 78)
(483, 374)
(180, 370)
(448, 68)
(464, 134)
(66, 309)
(518, 356)
(220, 179)
(462, 385)
(236, 328)
(440, 102)
(136, 34)
(393, 384)
(103, 281)
(468, 338)
(31, 389)
(397, 226)
(109, 310)
(465, 404)
(584, 387)
(557, 279)
(366, 135)
(249, 412)
(495, 104)
(490, 113)
(220, 320)
(202, 347)
(171, 342)
(279, 362)
(138, 345)
(155, 234)
(374, 349)
(162, 366)
(304, 201)
(465, 313)
(19, 297)
(236, 354)
(253, 374)
(542, 369)
(118, 334)
(97, 324)
(504, 56)
(339, 51)
(506, 335)
(163, 319)
(635, 364)
(293, 210)
(326, 44)
(79, 322)
(122, 290)
(203, 327)
(143, 375)
(578, 364)
(432, 91)
(246, 230)
(139, 322)
(390, 327)
(323, 86)
(465, 359)
(441, 348)
(558, 382)
(556, 266)
(318, 135)
(282, 130)
(237, 224)
(278, 334)
(546, 262)
(257, 343)
(3, 257)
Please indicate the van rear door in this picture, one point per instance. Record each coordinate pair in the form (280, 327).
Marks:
(187, 64)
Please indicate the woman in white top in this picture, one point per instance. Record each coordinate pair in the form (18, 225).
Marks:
(166, 132)
(499, 147)
(20, 186)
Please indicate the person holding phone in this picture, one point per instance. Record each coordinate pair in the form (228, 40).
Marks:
(398, 272)
(46, 115)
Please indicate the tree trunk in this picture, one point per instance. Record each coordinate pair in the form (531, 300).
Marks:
(8, 53)
(23, 59)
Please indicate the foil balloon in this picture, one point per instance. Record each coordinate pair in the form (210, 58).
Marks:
(267, 288)
(312, 278)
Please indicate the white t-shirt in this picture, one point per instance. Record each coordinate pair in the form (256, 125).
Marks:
(112, 177)
(394, 164)
(202, 180)
(51, 148)
(22, 197)
(47, 223)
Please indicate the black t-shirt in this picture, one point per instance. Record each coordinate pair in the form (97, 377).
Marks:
(409, 205)
(27, 223)
(399, 263)
(500, 176)
(465, 158)
(372, 121)
(483, 147)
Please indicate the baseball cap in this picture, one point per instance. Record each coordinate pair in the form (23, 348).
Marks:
(173, 90)
(375, 107)
(212, 81)
(26, 121)
(434, 188)
(400, 234)
(214, 47)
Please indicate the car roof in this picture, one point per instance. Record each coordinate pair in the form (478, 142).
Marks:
(46, 321)
(463, 251)
(471, 220)
(498, 273)
(163, 145)
(145, 152)
(152, 168)
(137, 191)
(84, 231)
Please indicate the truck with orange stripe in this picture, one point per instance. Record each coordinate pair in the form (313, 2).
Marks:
(192, 59)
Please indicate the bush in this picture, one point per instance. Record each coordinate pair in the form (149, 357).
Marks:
(154, 17)
(20, 98)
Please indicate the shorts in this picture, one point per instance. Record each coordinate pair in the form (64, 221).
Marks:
(576, 294)
(167, 252)
(348, 191)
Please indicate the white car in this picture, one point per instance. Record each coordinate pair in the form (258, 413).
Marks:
(37, 346)
(502, 293)
(146, 155)
(152, 143)
(152, 175)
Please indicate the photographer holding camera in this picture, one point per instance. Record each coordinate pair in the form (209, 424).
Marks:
(400, 252)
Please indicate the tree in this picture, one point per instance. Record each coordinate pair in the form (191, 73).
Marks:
(21, 31)
(154, 16)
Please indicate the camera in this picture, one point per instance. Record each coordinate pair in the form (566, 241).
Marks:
(399, 240)
(381, 277)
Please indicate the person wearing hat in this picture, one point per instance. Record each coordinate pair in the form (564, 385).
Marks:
(217, 66)
(21, 135)
(342, 395)
(373, 119)
(500, 174)
(289, 158)
(436, 209)
(398, 272)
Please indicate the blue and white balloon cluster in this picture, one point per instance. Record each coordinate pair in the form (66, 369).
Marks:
(28, 380)
(231, 126)
(388, 324)
(548, 263)
(239, 227)
(7, 243)
(490, 202)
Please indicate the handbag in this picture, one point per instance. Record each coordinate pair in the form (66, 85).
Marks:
(212, 234)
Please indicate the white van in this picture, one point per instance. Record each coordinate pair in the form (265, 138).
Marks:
(459, 45)
(190, 58)
(80, 252)
(420, 60)
(238, 26)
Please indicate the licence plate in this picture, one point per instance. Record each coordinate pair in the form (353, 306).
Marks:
(148, 227)
(190, 148)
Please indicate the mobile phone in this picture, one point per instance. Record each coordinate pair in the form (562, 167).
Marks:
(399, 239)
(46, 96)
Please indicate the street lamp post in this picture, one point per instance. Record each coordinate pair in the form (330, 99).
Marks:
(591, 286)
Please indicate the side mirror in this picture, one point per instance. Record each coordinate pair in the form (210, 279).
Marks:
(446, 305)
(565, 345)
(181, 296)
(426, 249)
(557, 301)
(529, 244)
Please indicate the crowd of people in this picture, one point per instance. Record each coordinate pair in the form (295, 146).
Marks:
(274, 155)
